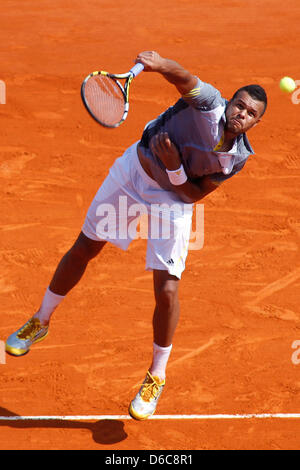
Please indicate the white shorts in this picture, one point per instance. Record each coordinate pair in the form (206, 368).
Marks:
(129, 199)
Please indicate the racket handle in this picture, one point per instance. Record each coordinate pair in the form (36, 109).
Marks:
(136, 69)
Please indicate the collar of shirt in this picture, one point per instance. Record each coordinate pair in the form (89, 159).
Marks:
(241, 146)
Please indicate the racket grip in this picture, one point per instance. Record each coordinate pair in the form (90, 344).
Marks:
(136, 69)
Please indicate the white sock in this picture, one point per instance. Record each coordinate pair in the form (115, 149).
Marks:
(49, 304)
(159, 360)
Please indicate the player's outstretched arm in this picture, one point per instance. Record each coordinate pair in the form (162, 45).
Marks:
(168, 153)
(183, 80)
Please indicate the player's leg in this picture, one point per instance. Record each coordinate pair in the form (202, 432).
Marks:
(68, 273)
(165, 320)
(73, 264)
(166, 255)
(89, 243)
(166, 312)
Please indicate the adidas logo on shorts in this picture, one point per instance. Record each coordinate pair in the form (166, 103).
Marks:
(170, 261)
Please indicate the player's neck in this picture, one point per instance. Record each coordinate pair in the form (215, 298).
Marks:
(229, 138)
(228, 141)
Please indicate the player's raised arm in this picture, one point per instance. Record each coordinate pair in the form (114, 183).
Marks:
(183, 80)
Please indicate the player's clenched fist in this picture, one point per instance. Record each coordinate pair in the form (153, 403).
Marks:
(165, 150)
(151, 60)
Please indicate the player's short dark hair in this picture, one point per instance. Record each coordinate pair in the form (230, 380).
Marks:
(256, 92)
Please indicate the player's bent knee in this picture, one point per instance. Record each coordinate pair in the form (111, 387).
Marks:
(167, 297)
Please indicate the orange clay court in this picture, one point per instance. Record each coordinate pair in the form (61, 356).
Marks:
(239, 294)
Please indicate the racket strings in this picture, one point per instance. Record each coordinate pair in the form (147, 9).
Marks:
(105, 99)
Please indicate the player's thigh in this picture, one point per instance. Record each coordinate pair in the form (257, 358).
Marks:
(167, 250)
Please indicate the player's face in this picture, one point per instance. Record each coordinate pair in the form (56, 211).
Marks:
(242, 113)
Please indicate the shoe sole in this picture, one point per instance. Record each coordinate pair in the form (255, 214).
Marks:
(137, 416)
(21, 352)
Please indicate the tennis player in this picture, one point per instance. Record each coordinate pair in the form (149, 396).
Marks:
(182, 156)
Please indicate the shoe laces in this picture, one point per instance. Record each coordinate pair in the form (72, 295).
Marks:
(30, 329)
(151, 388)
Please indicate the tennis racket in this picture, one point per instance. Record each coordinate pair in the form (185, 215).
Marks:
(105, 98)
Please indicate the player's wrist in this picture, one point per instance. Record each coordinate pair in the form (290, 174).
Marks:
(177, 177)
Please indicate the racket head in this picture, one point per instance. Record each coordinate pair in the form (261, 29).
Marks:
(105, 99)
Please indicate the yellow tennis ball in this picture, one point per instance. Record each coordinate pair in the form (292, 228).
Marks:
(287, 84)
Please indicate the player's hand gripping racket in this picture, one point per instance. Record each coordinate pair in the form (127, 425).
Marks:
(105, 98)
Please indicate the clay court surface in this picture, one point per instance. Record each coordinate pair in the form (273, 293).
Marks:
(239, 294)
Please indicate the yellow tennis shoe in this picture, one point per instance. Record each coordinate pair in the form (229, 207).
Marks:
(19, 342)
(145, 402)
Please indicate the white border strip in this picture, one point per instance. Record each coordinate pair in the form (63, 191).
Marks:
(127, 417)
